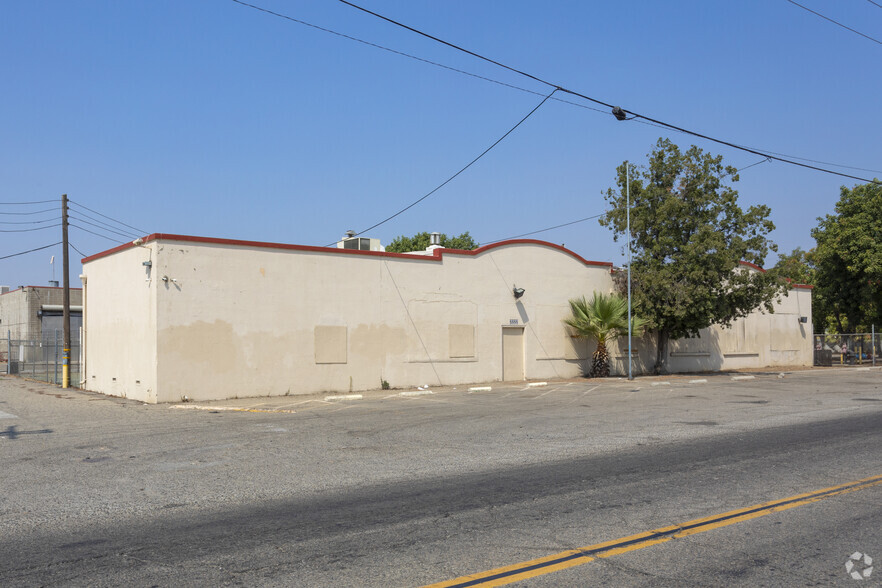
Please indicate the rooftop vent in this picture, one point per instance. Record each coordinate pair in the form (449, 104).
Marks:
(350, 241)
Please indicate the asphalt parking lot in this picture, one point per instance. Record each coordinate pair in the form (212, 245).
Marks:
(402, 487)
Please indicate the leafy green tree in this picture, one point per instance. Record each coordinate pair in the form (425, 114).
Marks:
(602, 318)
(848, 258)
(420, 241)
(797, 266)
(688, 238)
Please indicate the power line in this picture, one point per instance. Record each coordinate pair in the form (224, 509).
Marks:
(94, 233)
(837, 23)
(619, 112)
(581, 220)
(29, 230)
(77, 250)
(587, 218)
(103, 224)
(468, 165)
(874, 3)
(457, 47)
(764, 151)
(109, 230)
(521, 89)
(77, 204)
(28, 213)
(31, 250)
(875, 171)
(766, 160)
(29, 202)
(48, 220)
(414, 57)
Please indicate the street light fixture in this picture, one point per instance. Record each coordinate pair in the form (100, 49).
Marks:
(622, 114)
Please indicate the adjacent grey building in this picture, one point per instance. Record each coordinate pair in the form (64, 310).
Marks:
(34, 313)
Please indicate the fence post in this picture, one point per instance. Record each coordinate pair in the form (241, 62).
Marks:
(55, 365)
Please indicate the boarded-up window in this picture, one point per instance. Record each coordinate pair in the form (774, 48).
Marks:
(576, 348)
(462, 340)
(330, 344)
(700, 345)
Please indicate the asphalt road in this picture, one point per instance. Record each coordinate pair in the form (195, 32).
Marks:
(409, 490)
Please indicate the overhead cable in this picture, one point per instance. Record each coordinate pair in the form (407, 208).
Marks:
(875, 171)
(581, 220)
(457, 47)
(512, 86)
(620, 111)
(94, 233)
(766, 160)
(37, 222)
(29, 213)
(467, 166)
(109, 230)
(587, 218)
(77, 250)
(103, 224)
(837, 23)
(28, 202)
(415, 57)
(29, 230)
(142, 232)
(31, 250)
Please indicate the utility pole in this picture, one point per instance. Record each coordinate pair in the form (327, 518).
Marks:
(65, 365)
(628, 216)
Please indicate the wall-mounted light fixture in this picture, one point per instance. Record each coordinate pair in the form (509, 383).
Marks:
(147, 263)
(803, 319)
(518, 292)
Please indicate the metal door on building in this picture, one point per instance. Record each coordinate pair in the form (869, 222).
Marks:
(512, 353)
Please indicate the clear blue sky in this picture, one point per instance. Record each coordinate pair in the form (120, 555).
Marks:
(210, 118)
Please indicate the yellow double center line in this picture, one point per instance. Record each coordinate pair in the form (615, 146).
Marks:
(583, 555)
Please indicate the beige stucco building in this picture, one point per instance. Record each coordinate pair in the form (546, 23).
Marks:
(177, 316)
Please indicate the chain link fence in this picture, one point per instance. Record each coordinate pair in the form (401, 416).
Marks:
(848, 349)
(40, 360)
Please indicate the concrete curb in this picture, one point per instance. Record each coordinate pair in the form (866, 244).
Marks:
(230, 408)
(344, 397)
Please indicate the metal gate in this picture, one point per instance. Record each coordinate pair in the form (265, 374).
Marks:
(41, 359)
(847, 349)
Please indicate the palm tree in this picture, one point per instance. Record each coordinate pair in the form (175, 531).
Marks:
(602, 318)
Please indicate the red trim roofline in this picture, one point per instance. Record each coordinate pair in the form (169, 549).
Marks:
(753, 265)
(437, 255)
